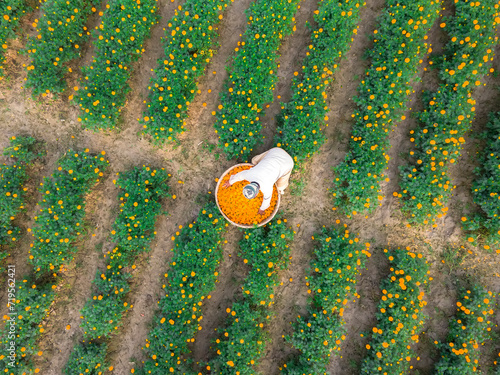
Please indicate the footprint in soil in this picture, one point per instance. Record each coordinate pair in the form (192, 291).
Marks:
(149, 301)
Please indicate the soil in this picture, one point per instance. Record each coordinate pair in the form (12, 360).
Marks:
(194, 167)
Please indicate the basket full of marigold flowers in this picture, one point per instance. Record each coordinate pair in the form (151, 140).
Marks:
(238, 209)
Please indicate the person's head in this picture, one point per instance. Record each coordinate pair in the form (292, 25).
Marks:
(251, 190)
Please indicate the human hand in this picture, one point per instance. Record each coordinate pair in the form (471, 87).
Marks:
(226, 184)
(261, 212)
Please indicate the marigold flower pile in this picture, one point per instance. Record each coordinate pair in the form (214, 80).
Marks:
(486, 190)
(242, 343)
(338, 259)
(470, 329)
(55, 229)
(189, 41)
(400, 315)
(133, 231)
(124, 27)
(61, 33)
(300, 122)
(191, 277)
(252, 76)
(238, 208)
(12, 190)
(382, 100)
(425, 183)
(10, 11)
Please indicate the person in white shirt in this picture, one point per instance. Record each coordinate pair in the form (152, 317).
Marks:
(273, 166)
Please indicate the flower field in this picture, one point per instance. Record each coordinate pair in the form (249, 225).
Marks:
(383, 93)
(11, 12)
(253, 75)
(124, 27)
(13, 177)
(425, 184)
(190, 42)
(141, 189)
(383, 256)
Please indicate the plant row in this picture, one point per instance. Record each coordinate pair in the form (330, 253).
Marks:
(399, 314)
(13, 176)
(252, 76)
(28, 305)
(189, 44)
(57, 226)
(62, 208)
(124, 27)
(383, 94)
(486, 187)
(61, 31)
(141, 189)
(11, 12)
(425, 185)
(338, 258)
(469, 330)
(301, 120)
(190, 279)
(242, 342)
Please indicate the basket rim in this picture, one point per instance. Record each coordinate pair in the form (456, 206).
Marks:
(245, 226)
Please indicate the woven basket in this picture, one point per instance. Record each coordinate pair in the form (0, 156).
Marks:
(265, 221)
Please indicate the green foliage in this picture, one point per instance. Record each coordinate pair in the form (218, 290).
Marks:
(467, 332)
(334, 270)
(382, 99)
(27, 310)
(486, 187)
(62, 209)
(400, 315)
(242, 344)
(189, 44)
(24, 149)
(61, 32)
(12, 178)
(191, 277)
(253, 76)
(302, 118)
(87, 359)
(124, 27)
(133, 230)
(11, 12)
(425, 183)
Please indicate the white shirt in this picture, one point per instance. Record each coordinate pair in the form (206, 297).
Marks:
(275, 164)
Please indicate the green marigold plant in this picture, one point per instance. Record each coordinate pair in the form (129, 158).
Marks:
(87, 359)
(190, 279)
(124, 27)
(486, 189)
(301, 120)
(241, 346)
(61, 32)
(400, 315)
(338, 258)
(11, 12)
(21, 153)
(253, 76)
(469, 330)
(27, 310)
(62, 209)
(382, 101)
(190, 42)
(425, 185)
